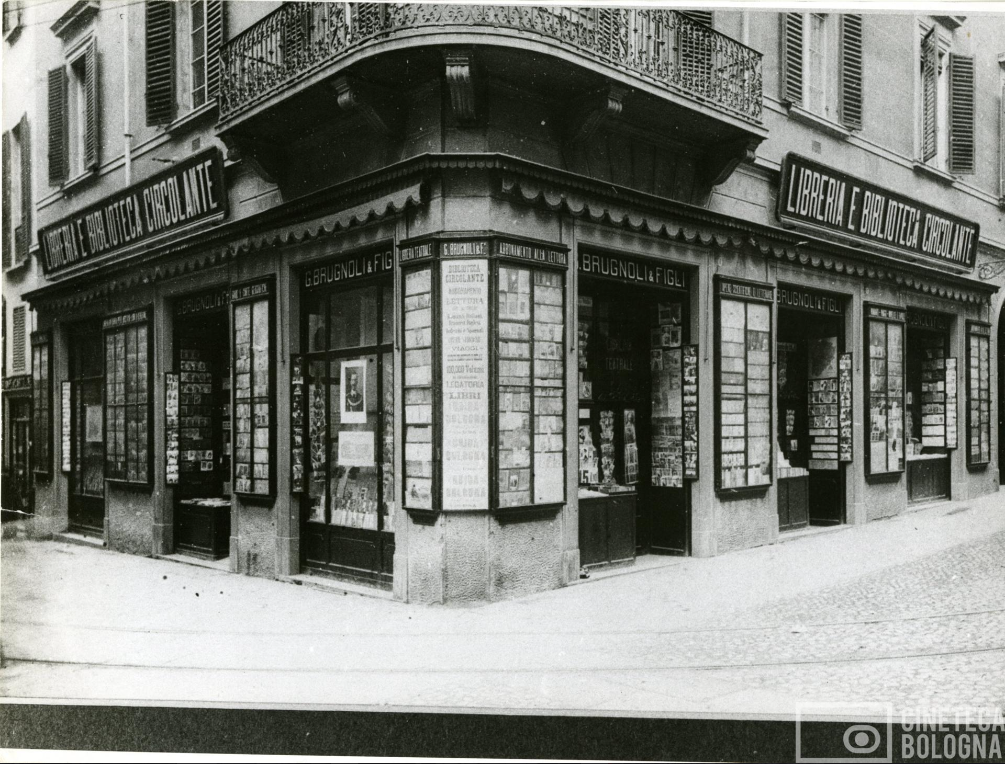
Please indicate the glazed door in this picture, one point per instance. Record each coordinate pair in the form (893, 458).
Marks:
(87, 476)
(20, 496)
(348, 510)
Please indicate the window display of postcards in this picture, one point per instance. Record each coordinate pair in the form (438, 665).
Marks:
(979, 396)
(607, 457)
(631, 448)
(667, 446)
(514, 420)
(549, 403)
(745, 394)
(933, 392)
(845, 439)
(689, 372)
(418, 389)
(196, 409)
(589, 471)
(354, 497)
(823, 403)
(252, 421)
(886, 396)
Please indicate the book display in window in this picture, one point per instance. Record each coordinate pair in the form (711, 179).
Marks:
(845, 418)
(298, 409)
(172, 428)
(951, 405)
(514, 379)
(418, 389)
(196, 402)
(549, 401)
(252, 416)
(665, 368)
(885, 389)
(744, 385)
(978, 393)
(127, 409)
(690, 410)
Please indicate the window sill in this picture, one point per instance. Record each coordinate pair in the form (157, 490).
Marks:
(934, 172)
(186, 122)
(799, 114)
(525, 512)
(423, 516)
(74, 184)
(750, 492)
(884, 477)
(17, 265)
(11, 35)
(978, 466)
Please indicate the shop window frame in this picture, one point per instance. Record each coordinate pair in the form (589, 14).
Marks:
(886, 475)
(41, 342)
(247, 293)
(761, 488)
(498, 251)
(108, 328)
(327, 355)
(982, 331)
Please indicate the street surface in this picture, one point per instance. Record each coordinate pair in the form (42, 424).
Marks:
(908, 611)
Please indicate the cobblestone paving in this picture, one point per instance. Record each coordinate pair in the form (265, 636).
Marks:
(926, 633)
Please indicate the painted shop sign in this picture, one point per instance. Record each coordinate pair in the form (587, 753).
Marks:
(416, 252)
(190, 191)
(746, 291)
(205, 302)
(17, 383)
(349, 269)
(925, 320)
(816, 195)
(809, 299)
(533, 253)
(885, 312)
(631, 269)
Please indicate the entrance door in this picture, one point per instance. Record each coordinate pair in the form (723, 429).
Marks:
(348, 511)
(928, 468)
(630, 417)
(202, 497)
(811, 485)
(87, 476)
(20, 495)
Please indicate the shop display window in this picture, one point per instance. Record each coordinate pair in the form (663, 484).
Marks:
(885, 390)
(253, 394)
(531, 406)
(419, 399)
(127, 400)
(346, 422)
(637, 389)
(744, 385)
(978, 393)
(41, 393)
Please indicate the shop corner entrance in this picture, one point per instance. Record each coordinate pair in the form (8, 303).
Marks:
(811, 484)
(202, 358)
(633, 495)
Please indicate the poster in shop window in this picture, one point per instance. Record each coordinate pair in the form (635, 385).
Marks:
(352, 395)
(465, 336)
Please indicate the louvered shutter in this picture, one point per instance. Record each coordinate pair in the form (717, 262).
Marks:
(929, 95)
(92, 121)
(702, 17)
(214, 41)
(25, 142)
(792, 58)
(961, 113)
(58, 159)
(851, 70)
(1001, 143)
(5, 246)
(160, 60)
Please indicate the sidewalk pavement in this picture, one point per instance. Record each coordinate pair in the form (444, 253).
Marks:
(909, 611)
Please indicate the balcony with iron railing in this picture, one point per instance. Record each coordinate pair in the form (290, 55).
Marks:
(662, 50)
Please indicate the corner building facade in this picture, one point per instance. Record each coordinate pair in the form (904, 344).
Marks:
(457, 301)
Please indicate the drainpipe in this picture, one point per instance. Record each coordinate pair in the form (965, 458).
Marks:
(126, 135)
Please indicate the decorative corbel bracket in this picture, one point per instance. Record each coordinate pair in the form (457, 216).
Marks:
(592, 111)
(462, 83)
(368, 101)
(264, 158)
(718, 162)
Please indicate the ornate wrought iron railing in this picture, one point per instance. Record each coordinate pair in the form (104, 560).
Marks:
(663, 46)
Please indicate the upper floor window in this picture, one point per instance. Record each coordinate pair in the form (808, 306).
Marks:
(16, 195)
(73, 115)
(821, 65)
(946, 117)
(11, 16)
(182, 56)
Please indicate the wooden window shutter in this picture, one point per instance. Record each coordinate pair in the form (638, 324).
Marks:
(851, 70)
(961, 113)
(214, 41)
(160, 61)
(24, 241)
(92, 121)
(792, 58)
(17, 341)
(1001, 145)
(58, 159)
(929, 95)
(702, 17)
(5, 246)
